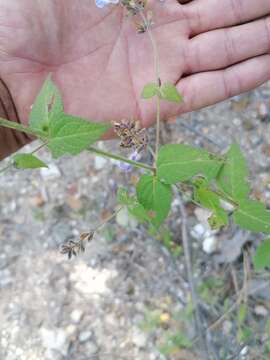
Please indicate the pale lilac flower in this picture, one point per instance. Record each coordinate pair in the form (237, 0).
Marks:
(135, 156)
(102, 3)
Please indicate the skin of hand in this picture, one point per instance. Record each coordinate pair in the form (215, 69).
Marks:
(211, 50)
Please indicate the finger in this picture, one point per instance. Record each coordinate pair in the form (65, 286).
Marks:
(219, 49)
(205, 15)
(203, 89)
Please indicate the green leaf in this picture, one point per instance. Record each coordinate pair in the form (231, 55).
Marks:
(178, 162)
(170, 93)
(154, 196)
(28, 161)
(139, 212)
(47, 106)
(150, 90)
(253, 216)
(123, 197)
(71, 135)
(261, 258)
(135, 209)
(232, 176)
(242, 314)
(211, 201)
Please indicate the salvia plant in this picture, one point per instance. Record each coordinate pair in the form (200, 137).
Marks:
(219, 182)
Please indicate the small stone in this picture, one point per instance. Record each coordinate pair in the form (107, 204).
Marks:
(85, 336)
(198, 231)
(227, 327)
(261, 311)
(3, 261)
(70, 330)
(92, 349)
(74, 202)
(122, 218)
(139, 338)
(38, 200)
(5, 278)
(100, 163)
(55, 340)
(263, 111)
(50, 173)
(266, 150)
(210, 245)
(76, 316)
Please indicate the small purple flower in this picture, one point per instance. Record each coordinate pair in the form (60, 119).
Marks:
(102, 3)
(128, 167)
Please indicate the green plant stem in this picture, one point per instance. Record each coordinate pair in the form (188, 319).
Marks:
(15, 126)
(158, 81)
(121, 158)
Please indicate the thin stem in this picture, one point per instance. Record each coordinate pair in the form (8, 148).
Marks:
(158, 81)
(121, 158)
(194, 296)
(109, 218)
(19, 127)
(6, 168)
(157, 129)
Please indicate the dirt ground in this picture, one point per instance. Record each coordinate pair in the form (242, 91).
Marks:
(127, 297)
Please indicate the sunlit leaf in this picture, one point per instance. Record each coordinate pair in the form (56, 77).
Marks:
(28, 161)
(71, 135)
(178, 162)
(154, 196)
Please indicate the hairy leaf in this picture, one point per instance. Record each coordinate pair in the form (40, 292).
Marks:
(261, 258)
(253, 216)
(150, 90)
(154, 196)
(71, 135)
(47, 107)
(28, 161)
(232, 176)
(170, 93)
(178, 162)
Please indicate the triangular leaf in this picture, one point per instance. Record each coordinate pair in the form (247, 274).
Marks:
(28, 161)
(154, 196)
(71, 135)
(178, 162)
(170, 93)
(150, 90)
(47, 106)
(232, 176)
(261, 258)
(253, 216)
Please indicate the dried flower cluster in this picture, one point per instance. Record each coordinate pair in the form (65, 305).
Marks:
(133, 7)
(131, 133)
(73, 248)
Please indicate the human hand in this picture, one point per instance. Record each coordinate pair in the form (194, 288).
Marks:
(212, 49)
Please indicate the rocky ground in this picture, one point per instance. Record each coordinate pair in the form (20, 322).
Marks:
(127, 297)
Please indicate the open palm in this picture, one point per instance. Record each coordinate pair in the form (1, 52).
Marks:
(209, 48)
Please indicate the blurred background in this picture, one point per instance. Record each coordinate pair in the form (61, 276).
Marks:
(128, 296)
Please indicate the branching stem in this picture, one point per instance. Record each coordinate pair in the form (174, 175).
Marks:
(19, 127)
